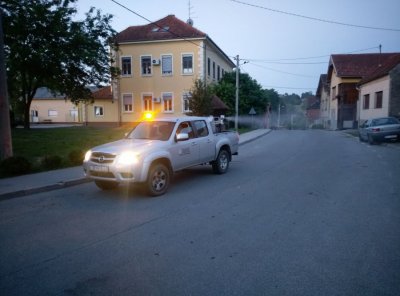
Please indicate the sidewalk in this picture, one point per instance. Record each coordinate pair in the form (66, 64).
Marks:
(57, 179)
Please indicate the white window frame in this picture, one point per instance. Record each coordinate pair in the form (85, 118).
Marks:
(141, 65)
(172, 65)
(186, 96)
(52, 113)
(123, 103)
(143, 102)
(131, 72)
(101, 108)
(184, 72)
(170, 94)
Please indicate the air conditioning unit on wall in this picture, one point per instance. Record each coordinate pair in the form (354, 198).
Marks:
(156, 100)
(155, 62)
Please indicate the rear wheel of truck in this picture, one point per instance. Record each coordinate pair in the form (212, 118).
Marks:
(221, 164)
(106, 185)
(158, 179)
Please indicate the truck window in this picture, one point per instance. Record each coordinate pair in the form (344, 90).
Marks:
(201, 128)
(185, 127)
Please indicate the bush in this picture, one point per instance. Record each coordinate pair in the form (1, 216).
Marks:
(51, 162)
(76, 157)
(16, 165)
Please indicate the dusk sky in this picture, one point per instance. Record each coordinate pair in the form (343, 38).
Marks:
(286, 43)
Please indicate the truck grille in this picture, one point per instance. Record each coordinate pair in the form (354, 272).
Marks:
(101, 157)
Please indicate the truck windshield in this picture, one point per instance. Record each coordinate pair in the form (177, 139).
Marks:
(152, 130)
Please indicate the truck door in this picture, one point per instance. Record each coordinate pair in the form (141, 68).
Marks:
(185, 153)
(205, 140)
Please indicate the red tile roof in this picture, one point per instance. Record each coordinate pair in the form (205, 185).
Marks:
(357, 65)
(166, 28)
(103, 93)
(384, 69)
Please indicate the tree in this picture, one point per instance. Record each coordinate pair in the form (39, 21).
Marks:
(45, 47)
(200, 102)
(5, 129)
(251, 94)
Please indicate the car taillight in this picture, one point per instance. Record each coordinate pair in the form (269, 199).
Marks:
(376, 129)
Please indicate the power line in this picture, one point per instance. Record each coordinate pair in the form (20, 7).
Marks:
(275, 70)
(314, 18)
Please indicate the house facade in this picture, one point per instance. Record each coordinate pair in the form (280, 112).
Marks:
(159, 63)
(323, 96)
(380, 92)
(48, 107)
(345, 71)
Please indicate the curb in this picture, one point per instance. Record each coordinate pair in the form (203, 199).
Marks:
(59, 185)
(255, 138)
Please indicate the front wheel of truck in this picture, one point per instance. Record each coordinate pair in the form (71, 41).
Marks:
(158, 179)
(221, 164)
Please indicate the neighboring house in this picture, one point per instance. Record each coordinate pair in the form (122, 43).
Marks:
(345, 71)
(48, 107)
(323, 97)
(312, 110)
(159, 63)
(103, 111)
(380, 91)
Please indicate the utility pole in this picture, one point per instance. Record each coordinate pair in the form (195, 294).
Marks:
(5, 126)
(237, 93)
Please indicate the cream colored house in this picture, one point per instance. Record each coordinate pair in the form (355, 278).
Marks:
(323, 96)
(380, 92)
(159, 63)
(47, 107)
(345, 72)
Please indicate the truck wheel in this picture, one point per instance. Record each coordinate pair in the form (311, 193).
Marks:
(158, 180)
(106, 185)
(221, 164)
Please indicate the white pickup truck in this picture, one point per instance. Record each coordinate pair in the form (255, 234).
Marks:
(155, 149)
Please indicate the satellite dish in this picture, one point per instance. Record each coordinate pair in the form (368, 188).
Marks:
(190, 22)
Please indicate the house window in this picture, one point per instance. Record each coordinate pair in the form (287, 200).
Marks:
(146, 65)
(147, 103)
(208, 66)
(126, 63)
(187, 64)
(366, 102)
(166, 65)
(378, 99)
(213, 70)
(98, 111)
(333, 92)
(52, 113)
(167, 102)
(218, 73)
(186, 102)
(127, 101)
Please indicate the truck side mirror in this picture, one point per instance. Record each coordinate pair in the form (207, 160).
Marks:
(182, 137)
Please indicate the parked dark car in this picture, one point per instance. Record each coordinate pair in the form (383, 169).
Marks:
(379, 130)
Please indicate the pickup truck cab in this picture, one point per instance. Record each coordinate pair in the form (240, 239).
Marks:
(155, 149)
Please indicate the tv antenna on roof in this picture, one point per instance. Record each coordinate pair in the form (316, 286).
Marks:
(190, 20)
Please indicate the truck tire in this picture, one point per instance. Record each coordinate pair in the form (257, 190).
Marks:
(158, 180)
(106, 185)
(221, 164)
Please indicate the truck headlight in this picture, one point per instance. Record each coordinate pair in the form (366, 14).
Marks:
(128, 158)
(88, 155)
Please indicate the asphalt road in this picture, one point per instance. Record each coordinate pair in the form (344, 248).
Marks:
(298, 213)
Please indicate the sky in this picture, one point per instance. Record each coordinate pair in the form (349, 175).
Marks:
(283, 44)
